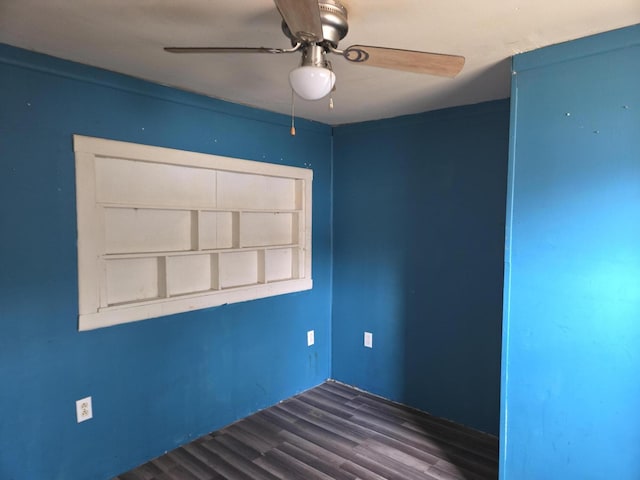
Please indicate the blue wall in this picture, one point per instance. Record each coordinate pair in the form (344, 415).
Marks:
(157, 383)
(418, 259)
(571, 355)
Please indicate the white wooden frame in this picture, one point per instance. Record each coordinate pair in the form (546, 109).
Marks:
(163, 231)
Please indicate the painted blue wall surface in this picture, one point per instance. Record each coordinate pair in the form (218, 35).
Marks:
(155, 384)
(419, 207)
(571, 345)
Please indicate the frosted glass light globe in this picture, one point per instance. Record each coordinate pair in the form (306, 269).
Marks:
(312, 83)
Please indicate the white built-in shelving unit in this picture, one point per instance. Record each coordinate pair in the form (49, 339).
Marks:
(163, 231)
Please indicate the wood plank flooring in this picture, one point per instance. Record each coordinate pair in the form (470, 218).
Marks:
(332, 432)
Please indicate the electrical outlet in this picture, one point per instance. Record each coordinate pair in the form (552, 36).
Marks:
(310, 338)
(84, 411)
(368, 339)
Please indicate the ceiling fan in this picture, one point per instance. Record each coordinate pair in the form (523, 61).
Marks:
(315, 28)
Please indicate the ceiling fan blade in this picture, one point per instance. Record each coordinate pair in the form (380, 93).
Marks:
(303, 18)
(407, 60)
(228, 50)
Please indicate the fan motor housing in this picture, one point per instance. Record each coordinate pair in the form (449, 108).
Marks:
(333, 16)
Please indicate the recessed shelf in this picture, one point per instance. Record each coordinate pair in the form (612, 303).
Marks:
(206, 293)
(116, 256)
(201, 208)
(162, 231)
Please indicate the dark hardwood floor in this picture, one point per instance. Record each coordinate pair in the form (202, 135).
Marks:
(332, 432)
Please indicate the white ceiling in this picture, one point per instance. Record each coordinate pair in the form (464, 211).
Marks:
(127, 36)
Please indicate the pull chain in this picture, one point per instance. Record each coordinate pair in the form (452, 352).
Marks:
(331, 98)
(293, 126)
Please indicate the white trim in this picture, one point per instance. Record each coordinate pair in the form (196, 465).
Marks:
(102, 147)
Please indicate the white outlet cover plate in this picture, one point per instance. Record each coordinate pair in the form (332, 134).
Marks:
(368, 339)
(84, 410)
(310, 338)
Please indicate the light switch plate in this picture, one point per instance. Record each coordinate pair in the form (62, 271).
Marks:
(310, 338)
(368, 339)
